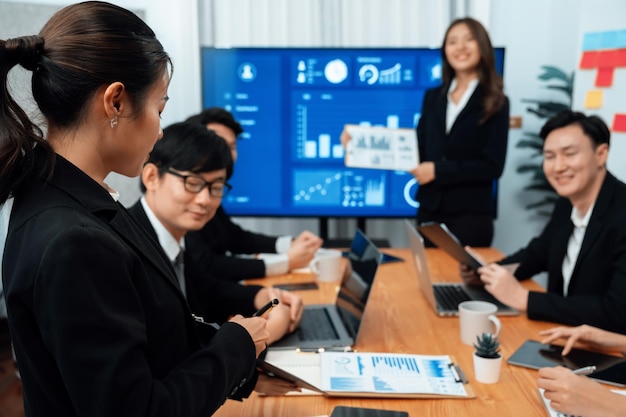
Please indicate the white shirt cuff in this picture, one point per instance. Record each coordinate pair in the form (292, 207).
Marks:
(275, 264)
(283, 244)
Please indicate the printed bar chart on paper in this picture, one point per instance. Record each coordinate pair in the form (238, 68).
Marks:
(368, 374)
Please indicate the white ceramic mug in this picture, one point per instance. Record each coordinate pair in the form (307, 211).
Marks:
(327, 265)
(476, 318)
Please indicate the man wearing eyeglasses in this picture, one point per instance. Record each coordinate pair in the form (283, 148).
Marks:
(224, 238)
(183, 182)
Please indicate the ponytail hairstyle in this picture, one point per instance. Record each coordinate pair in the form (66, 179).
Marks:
(81, 48)
(488, 77)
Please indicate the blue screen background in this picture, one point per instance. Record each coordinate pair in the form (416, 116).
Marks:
(293, 104)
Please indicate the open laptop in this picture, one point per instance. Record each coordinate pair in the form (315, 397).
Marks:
(362, 248)
(335, 326)
(445, 297)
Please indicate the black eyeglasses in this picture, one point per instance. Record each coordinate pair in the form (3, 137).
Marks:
(195, 184)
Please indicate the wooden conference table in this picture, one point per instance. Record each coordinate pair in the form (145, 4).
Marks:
(398, 319)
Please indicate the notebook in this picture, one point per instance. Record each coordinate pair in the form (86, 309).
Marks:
(362, 248)
(444, 298)
(335, 326)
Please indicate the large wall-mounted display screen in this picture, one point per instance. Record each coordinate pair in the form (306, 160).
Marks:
(293, 104)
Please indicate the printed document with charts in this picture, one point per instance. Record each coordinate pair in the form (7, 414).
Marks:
(367, 374)
(381, 148)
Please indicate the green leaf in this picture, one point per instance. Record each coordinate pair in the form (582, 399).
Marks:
(567, 89)
(529, 143)
(524, 168)
(550, 73)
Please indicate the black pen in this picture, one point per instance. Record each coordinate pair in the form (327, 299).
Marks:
(585, 370)
(267, 307)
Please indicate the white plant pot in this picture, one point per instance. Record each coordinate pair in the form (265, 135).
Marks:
(487, 370)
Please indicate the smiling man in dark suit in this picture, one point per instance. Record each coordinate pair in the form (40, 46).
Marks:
(583, 246)
(184, 181)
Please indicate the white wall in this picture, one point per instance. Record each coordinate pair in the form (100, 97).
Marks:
(551, 39)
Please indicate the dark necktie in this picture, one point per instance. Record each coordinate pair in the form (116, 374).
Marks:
(179, 267)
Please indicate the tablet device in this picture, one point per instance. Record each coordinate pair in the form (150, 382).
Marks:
(532, 354)
(443, 238)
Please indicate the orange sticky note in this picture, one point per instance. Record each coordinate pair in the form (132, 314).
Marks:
(593, 99)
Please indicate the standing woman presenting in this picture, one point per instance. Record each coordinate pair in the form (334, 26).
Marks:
(462, 137)
(97, 320)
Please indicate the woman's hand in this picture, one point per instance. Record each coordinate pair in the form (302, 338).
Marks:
(273, 386)
(257, 328)
(589, 336)
(424, 172)
(578, 395)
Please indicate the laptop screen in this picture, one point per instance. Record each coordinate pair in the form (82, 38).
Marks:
(354, 292)
(362, 248)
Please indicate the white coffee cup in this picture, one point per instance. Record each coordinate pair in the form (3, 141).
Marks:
(327, 265)
(476, 318)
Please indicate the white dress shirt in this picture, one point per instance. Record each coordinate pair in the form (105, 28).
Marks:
(5, 214)
(277, 263)
(454, 109)
(574, 244)
(170, 246)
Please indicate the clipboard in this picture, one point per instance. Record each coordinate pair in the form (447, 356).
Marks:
(311, 371)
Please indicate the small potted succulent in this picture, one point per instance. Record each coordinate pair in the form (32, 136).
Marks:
(487, 358)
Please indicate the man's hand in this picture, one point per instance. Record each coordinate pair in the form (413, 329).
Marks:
(504, 286)
(303, 249)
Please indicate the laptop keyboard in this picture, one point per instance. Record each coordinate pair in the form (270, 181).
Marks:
(317, 325)
(450, 296)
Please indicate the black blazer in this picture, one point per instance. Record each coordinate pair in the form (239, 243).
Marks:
(597, 289)
(99, 325)
(467, 159)
(221, 237)
(213, 299)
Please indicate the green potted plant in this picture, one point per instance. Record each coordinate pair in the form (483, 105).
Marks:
(487, 358)
(542, 109)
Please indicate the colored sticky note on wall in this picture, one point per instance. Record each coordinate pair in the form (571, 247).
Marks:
(589, 60)
(606, 59)
(619, 123)
(592, 41)
(604, 77)
(620, 58)
(593, 99)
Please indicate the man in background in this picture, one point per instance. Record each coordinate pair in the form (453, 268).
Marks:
(184, 181)
(583, 246)
(225, 239)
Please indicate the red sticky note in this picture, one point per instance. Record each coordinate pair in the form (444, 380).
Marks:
(589, 60)
(620, 58)
(606, 59)
(619, 123)
(604, 77)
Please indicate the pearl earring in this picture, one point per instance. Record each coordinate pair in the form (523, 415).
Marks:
(113, 121)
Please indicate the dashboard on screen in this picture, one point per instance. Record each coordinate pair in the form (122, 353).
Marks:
(293, 104)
